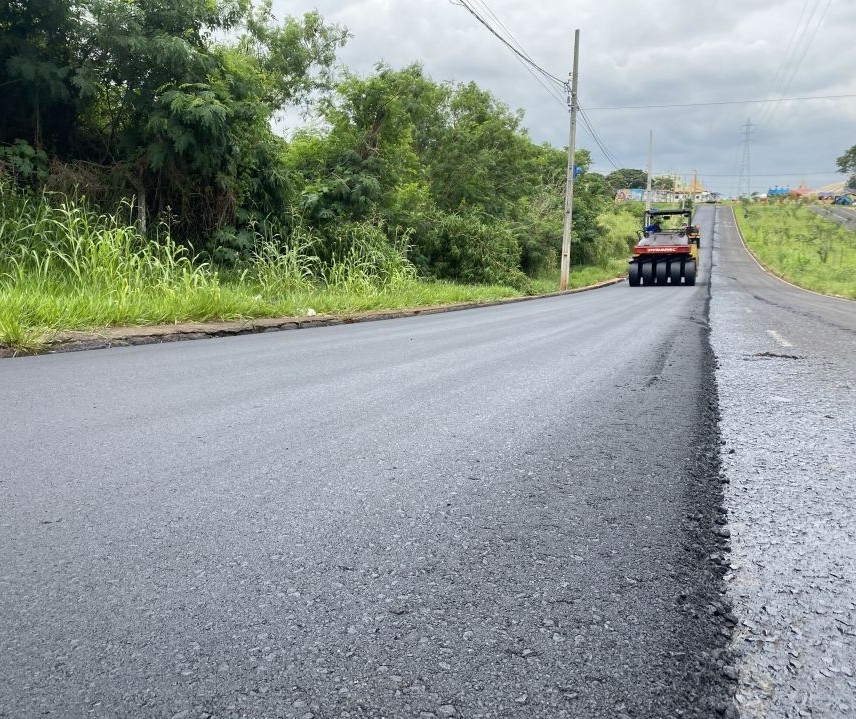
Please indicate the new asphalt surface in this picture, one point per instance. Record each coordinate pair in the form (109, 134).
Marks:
(512, 511)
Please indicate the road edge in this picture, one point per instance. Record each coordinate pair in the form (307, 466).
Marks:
(770, 272)
(105, 338)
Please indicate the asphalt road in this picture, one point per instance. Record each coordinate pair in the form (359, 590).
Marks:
(505, 512)
(786, 375)
(843, 215)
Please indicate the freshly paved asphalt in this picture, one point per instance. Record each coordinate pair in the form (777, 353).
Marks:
(504, 512)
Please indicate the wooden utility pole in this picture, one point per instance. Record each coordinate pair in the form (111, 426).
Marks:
(650, 162)
(569, 185)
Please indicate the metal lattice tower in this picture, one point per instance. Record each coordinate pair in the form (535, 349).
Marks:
(744, 179)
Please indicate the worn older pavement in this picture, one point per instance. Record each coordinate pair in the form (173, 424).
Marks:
(511, 511)
(787, 385)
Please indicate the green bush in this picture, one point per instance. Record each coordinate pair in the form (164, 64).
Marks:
(466, 248)
(365, 259)
(26, 164)
(618, 233)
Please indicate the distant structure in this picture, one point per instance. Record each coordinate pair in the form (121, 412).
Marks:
(744, 179)
(837, 193)
(682, 191)
(786, 193)
(778, 191)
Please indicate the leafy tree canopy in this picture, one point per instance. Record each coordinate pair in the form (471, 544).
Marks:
(627, 179)
(663, 182)
(847, 164)
(174, 103)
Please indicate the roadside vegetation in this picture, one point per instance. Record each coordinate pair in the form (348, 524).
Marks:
(64, 267)
(801, 247)
(142, 181)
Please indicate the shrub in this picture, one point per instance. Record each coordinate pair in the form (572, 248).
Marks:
(466, 248)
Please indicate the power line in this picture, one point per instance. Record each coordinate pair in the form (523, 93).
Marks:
(610, 158)
(532, 67)
(723, 102)
(807, 47)
(786, 57)
(508, 32)
(550, 90)
(798, 64)
(521, 54)
(528, 61)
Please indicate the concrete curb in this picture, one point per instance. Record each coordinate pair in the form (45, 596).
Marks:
(75, 341)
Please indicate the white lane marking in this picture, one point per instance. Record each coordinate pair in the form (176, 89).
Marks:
(781, 340)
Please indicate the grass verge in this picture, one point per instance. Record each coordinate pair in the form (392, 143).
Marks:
(65, 268)
(801, 247)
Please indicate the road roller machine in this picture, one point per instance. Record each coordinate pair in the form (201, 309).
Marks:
(667, 252)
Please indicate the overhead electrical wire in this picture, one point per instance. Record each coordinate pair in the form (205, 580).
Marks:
(797, 36)
(798, 64)
(807, 47)
(722, 102)
(551, 83)
(499, 22)
(526, 60)
(610, 158)
(476, 8)
(786, 56)
(522, 55)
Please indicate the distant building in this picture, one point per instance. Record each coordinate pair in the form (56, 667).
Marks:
(786, 193)
(693, 190)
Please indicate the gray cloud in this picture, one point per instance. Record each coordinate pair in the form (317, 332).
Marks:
(652, 52)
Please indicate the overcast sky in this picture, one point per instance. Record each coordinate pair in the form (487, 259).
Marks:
(643, 53)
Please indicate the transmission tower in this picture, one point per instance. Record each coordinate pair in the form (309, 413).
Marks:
(744, 180)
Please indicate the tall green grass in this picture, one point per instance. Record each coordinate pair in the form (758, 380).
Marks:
(65, 267)
(801, 247)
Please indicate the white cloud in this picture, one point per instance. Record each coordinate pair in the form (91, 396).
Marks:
(653, 52)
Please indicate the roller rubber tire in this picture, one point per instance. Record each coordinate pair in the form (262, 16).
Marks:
(690, 272)
(633, 274)
(661, 273)
(675, 272)
(647, 273)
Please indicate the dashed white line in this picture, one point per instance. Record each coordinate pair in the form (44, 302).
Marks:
(781, 340)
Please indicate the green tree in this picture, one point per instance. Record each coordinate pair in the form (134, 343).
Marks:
(847, 165)
(481, 153)
(169, 101)
(370, 160)
(188, 117)
(627, 179)
(37, 74)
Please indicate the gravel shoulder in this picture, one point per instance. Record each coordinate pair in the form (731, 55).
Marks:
(787, 388)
